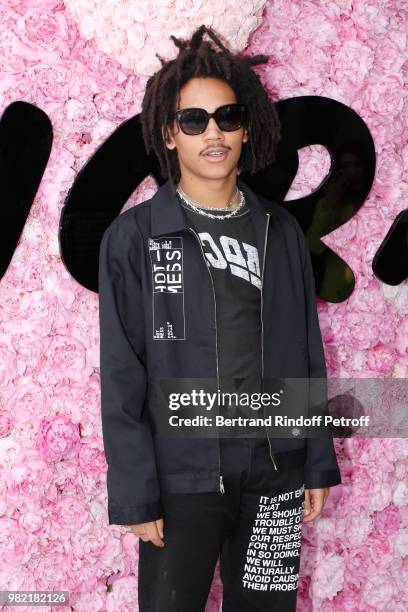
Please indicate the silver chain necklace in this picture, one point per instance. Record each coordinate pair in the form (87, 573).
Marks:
(200, 209)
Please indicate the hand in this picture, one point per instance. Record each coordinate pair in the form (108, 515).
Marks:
(314, 503)
(150, 532)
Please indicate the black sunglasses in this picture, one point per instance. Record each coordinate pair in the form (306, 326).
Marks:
(229, 117)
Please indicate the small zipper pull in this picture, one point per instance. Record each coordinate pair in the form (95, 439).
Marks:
(222, 490)
(274, 462)
(271, 453)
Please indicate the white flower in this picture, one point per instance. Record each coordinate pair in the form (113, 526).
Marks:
(133, 31)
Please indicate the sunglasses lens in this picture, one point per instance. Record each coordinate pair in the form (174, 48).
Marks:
(193, 121)
(230, 117)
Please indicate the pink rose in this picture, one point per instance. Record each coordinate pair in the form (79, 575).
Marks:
(28, 476)
(384, 95)
(123, 596)
(389, 172)
(381, 493)
(37, 309)
(57, 438)
(354, 448)
(81, 115)
(378, 589)
(388, 521)
(68, 477)
(57, 567)
(357, 563)
(328, 577)
(16, 545)
(64, 357)
(94, 600)
(380, 550)
(91, 457)
(369, 17)
(50, 82)
(355, 526)
(68, 513)
(43, 30)
(348, 600)
(353, 61)
(27, 403)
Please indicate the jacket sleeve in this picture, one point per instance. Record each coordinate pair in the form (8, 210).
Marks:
(132, 482)
(321, 467)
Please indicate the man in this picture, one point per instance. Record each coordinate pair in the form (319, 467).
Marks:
(200, 282)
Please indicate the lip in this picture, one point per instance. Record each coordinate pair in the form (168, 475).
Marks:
(215, 159)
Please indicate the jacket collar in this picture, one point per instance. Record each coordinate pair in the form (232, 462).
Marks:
(167, 215)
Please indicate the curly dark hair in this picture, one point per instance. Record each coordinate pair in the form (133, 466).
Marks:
(198, 58)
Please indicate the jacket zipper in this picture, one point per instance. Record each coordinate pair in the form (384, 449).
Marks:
(221, 480)
(262, 332)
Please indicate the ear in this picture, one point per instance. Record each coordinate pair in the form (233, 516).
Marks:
(167, 138)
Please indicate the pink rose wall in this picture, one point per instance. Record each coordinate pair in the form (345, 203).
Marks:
(87, 68)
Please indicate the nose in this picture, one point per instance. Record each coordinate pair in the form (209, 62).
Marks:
(213, 131)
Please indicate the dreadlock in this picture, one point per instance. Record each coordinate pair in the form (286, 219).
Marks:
(198, 58)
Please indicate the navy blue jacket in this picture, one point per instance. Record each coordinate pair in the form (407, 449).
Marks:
(134, 353)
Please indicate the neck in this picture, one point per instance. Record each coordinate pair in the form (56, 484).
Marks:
(209, 192)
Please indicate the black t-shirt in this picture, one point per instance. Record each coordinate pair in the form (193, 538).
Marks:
(230, 248)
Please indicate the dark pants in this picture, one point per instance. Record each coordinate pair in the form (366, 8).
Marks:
(255, 526)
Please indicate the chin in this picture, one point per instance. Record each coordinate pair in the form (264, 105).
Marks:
(217, 175)
(218, 172)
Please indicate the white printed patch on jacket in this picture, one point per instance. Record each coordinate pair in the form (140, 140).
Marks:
(166, 256)
(238, 257)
